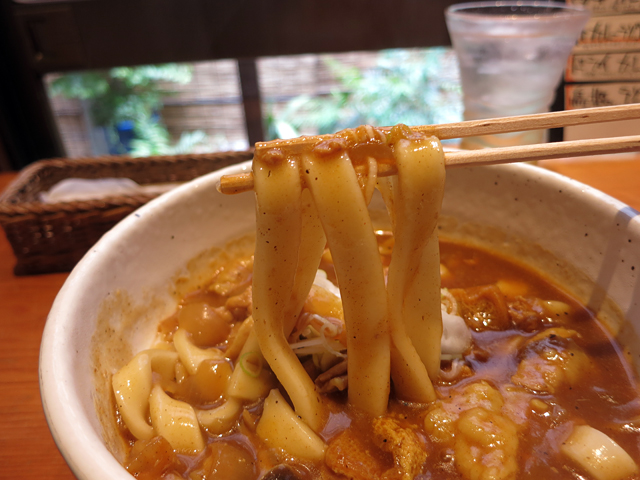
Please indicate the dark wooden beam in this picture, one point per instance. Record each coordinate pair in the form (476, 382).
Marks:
(27, 127)
(105, 33)
(251, 99)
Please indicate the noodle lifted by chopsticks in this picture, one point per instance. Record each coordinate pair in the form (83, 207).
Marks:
(310, 197)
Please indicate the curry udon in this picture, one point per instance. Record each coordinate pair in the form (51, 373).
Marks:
(335, 350)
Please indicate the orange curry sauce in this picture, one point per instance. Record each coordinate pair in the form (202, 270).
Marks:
(508, 330)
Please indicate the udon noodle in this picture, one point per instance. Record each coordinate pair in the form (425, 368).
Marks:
(380, 331)
(380, 321)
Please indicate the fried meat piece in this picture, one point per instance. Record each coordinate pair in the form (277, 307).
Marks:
(483, 308)
(407, 448)
(349, 456)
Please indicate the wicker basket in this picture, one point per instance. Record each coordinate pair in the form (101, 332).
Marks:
(53, 237)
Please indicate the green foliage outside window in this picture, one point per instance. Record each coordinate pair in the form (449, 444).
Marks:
(414, 87)
(131, 94)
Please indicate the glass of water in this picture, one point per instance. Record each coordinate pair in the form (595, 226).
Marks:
(512, 55)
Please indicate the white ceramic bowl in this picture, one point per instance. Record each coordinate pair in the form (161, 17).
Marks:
(126, 283)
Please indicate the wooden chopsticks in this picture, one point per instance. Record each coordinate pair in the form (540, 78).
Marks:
(231, 184)
(538, 121)
(542, 151)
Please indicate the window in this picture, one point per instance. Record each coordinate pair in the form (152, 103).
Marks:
(181, 108)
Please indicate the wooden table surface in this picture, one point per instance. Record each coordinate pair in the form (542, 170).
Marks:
(27, 450)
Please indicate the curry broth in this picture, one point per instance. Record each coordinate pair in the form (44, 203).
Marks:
(607, 397)
(603, 394)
